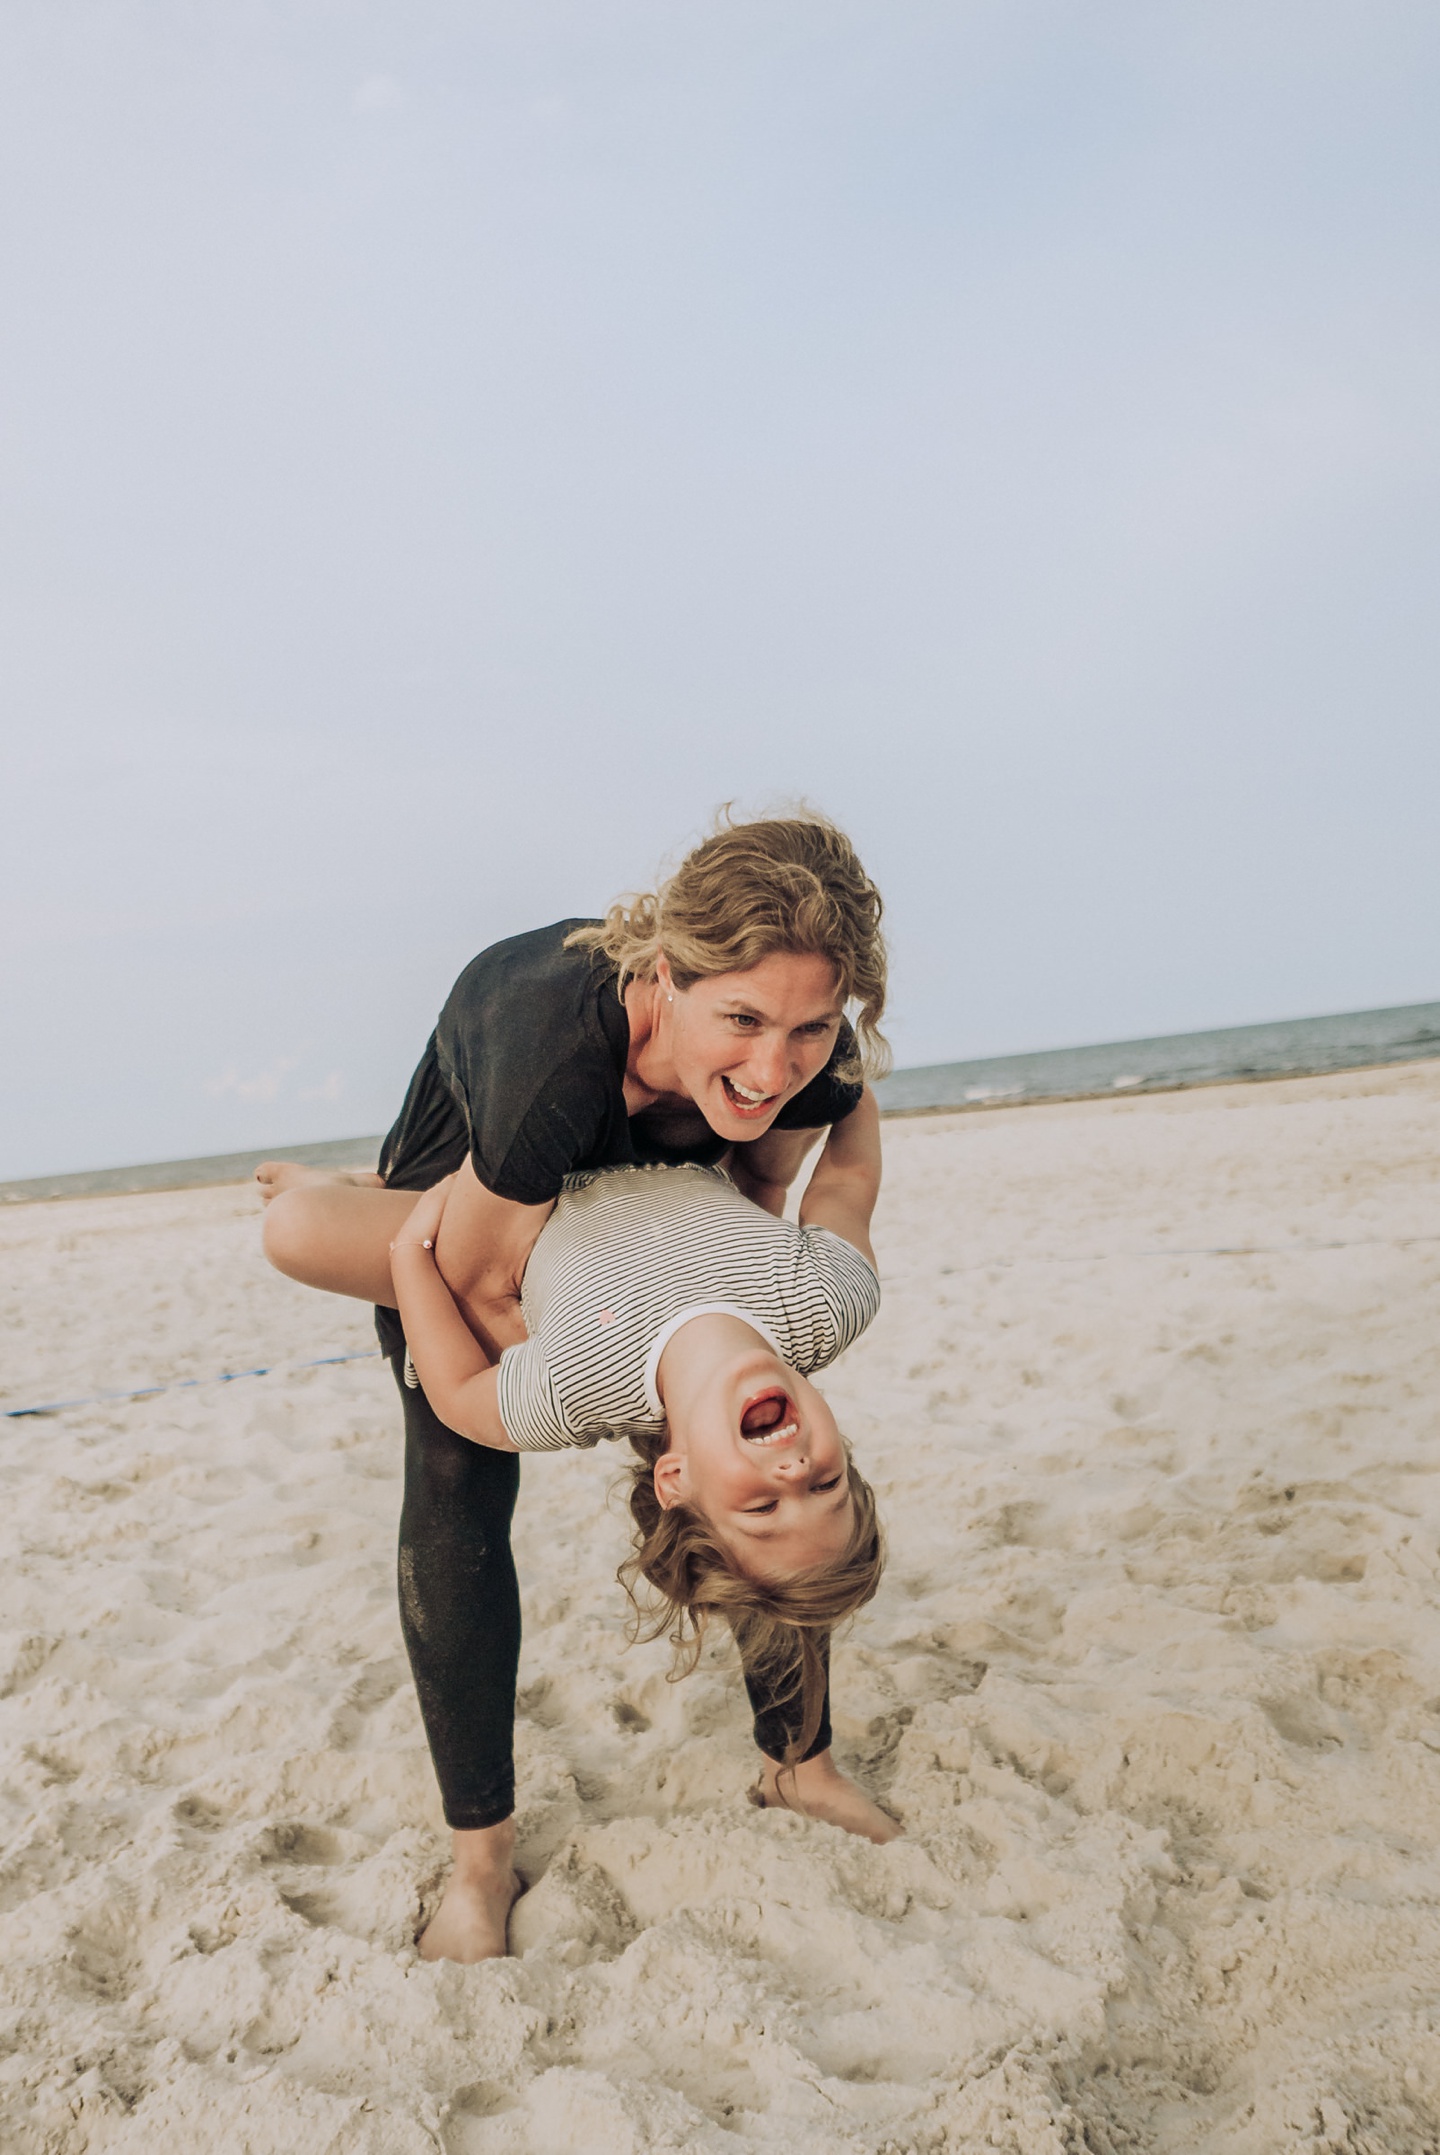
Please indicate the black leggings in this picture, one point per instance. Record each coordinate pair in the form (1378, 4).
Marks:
(460, 1613)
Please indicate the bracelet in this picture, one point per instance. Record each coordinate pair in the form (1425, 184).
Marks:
(427, 1244)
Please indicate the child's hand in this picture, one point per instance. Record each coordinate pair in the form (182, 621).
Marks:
(423, 1225)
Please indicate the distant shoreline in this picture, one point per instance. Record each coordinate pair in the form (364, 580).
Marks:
(1296, 1047)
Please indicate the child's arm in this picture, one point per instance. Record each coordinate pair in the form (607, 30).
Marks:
(454, 1370)
(846, 1182)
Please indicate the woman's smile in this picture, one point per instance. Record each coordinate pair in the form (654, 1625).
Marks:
(739, 1045)
(741, 1101)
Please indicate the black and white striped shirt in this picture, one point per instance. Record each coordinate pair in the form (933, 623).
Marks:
(625, 1258)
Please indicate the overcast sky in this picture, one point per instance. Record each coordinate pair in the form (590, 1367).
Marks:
(449, 448)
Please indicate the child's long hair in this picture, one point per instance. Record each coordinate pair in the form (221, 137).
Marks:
(781, 1627)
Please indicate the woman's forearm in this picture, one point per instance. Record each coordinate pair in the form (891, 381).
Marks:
(456, 1367)
(446, 1353)
(853, 1145)
(841, 1193)
(765, 1168)
(455, 1372)
(769, 1196)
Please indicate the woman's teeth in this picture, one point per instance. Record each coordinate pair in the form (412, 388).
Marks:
(741, 1096)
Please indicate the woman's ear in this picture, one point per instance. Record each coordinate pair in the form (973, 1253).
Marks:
(669, 1473)
(664, 978)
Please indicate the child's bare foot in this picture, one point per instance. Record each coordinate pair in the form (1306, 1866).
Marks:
(274, 1176)
(474, 1914)
(818, 1789)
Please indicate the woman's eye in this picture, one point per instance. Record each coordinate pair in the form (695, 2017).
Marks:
(743, 1018)
(755, 1511)
(819, 1488)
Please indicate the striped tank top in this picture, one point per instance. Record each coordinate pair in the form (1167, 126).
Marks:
(626, 1256)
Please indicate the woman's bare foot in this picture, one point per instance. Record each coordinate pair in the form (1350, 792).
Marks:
(474, 1914)
(274, 1176)
(816, 1788)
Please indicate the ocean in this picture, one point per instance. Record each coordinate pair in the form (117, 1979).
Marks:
(1296, 1047)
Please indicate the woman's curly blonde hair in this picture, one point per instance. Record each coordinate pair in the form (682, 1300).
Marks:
(781, 883)
(781, 1627)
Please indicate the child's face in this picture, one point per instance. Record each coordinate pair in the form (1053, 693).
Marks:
(764, 1462)
(745, 1043)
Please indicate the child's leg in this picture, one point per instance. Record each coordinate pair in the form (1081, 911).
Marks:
(816, 1787)
(334, 1234)
(274, 1176)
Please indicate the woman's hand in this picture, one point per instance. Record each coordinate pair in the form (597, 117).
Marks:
(455, 1368)
(423, 1225)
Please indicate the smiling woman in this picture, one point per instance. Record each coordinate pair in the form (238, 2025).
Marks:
(787, 883)
(742, 1044)
(701, 1026)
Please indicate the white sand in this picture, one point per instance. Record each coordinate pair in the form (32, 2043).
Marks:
(1154, 1682)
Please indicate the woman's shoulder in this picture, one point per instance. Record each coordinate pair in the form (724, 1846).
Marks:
(532, 1042)
(537, 962)
(531, 993)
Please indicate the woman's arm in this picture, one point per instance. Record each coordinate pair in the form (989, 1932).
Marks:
(482, 1247)
(846, 1182)
(765, 1168)
(454, 1369)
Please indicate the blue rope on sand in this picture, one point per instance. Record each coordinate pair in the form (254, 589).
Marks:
(186, 1384)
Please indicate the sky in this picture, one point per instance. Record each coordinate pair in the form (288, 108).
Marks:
(448, 450)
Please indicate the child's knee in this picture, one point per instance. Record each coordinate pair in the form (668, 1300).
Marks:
(288, 1238)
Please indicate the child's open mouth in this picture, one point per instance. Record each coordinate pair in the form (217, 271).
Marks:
(743, 1102)
(770, 1419)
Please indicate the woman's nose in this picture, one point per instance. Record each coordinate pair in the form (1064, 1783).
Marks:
(767, 1067)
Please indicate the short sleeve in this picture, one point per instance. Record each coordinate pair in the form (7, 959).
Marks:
(848, 1285)
(523, 1048)
(530, 1410)
(827, 1098)
(557, 1132)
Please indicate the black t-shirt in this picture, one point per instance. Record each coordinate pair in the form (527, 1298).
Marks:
(525, 1072)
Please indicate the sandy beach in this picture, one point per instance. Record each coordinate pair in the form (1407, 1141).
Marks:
(1153, 1682)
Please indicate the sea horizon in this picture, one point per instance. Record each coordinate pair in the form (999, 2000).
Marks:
(1167, 1062)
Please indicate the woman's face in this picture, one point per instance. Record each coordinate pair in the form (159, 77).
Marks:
(742, 1044)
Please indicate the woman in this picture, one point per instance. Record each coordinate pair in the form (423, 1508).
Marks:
(704, 1023)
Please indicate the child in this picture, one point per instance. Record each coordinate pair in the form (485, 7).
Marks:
(665, 1307)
